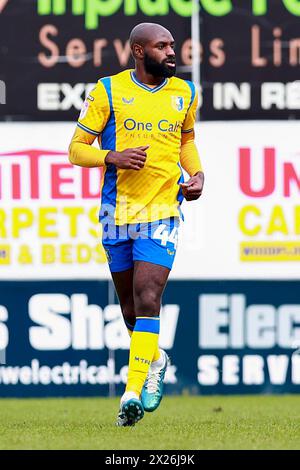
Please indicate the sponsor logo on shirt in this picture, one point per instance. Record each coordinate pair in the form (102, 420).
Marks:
(162, 126)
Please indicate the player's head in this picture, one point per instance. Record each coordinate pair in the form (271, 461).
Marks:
(153, 46)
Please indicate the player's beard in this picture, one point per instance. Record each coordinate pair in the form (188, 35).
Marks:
(158, 69)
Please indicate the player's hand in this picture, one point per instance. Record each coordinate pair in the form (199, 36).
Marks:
(192, 189)
(128, 159)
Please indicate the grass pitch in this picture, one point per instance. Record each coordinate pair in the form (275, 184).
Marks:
(185, 422)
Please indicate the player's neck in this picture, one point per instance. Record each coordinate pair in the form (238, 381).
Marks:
(147, 78)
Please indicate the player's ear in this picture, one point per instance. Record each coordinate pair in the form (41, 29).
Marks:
(138, 51)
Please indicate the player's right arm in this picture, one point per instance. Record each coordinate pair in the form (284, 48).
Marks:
(92, 121)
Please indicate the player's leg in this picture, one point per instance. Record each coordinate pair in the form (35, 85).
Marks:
(123, 282)
(149, 283)
(155, 278)
(153, 256)
(119, 254)
(130, 411)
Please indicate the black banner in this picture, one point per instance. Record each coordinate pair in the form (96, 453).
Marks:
(251, 60)
(52, 51)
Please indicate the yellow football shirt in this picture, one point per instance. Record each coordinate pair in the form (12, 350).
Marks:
(125, 113)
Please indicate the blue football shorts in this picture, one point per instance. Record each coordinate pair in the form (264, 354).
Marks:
(154, 242)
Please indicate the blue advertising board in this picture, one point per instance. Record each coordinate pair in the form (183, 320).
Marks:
(67, 338)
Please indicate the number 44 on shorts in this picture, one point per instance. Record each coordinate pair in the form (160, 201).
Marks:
(161, 233)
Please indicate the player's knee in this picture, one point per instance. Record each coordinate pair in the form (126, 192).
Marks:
(147, 302)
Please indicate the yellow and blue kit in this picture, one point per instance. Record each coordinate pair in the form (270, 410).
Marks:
(124, 113)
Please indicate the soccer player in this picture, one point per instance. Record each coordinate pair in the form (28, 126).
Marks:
(144, 122)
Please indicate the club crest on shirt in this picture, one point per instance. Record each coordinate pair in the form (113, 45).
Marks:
(177, 102)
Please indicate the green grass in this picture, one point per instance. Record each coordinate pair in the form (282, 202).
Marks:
(241, 422)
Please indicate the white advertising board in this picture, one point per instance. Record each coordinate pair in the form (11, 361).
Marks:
(245, 225)
(49, 208)
(249, 214)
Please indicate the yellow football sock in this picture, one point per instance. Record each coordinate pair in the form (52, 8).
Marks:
(156, 354)
(144, 342)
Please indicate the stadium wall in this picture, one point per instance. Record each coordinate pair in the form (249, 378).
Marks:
(231, 306)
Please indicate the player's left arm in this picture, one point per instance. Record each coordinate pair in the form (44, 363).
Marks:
(189, 156)
(82, 153)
